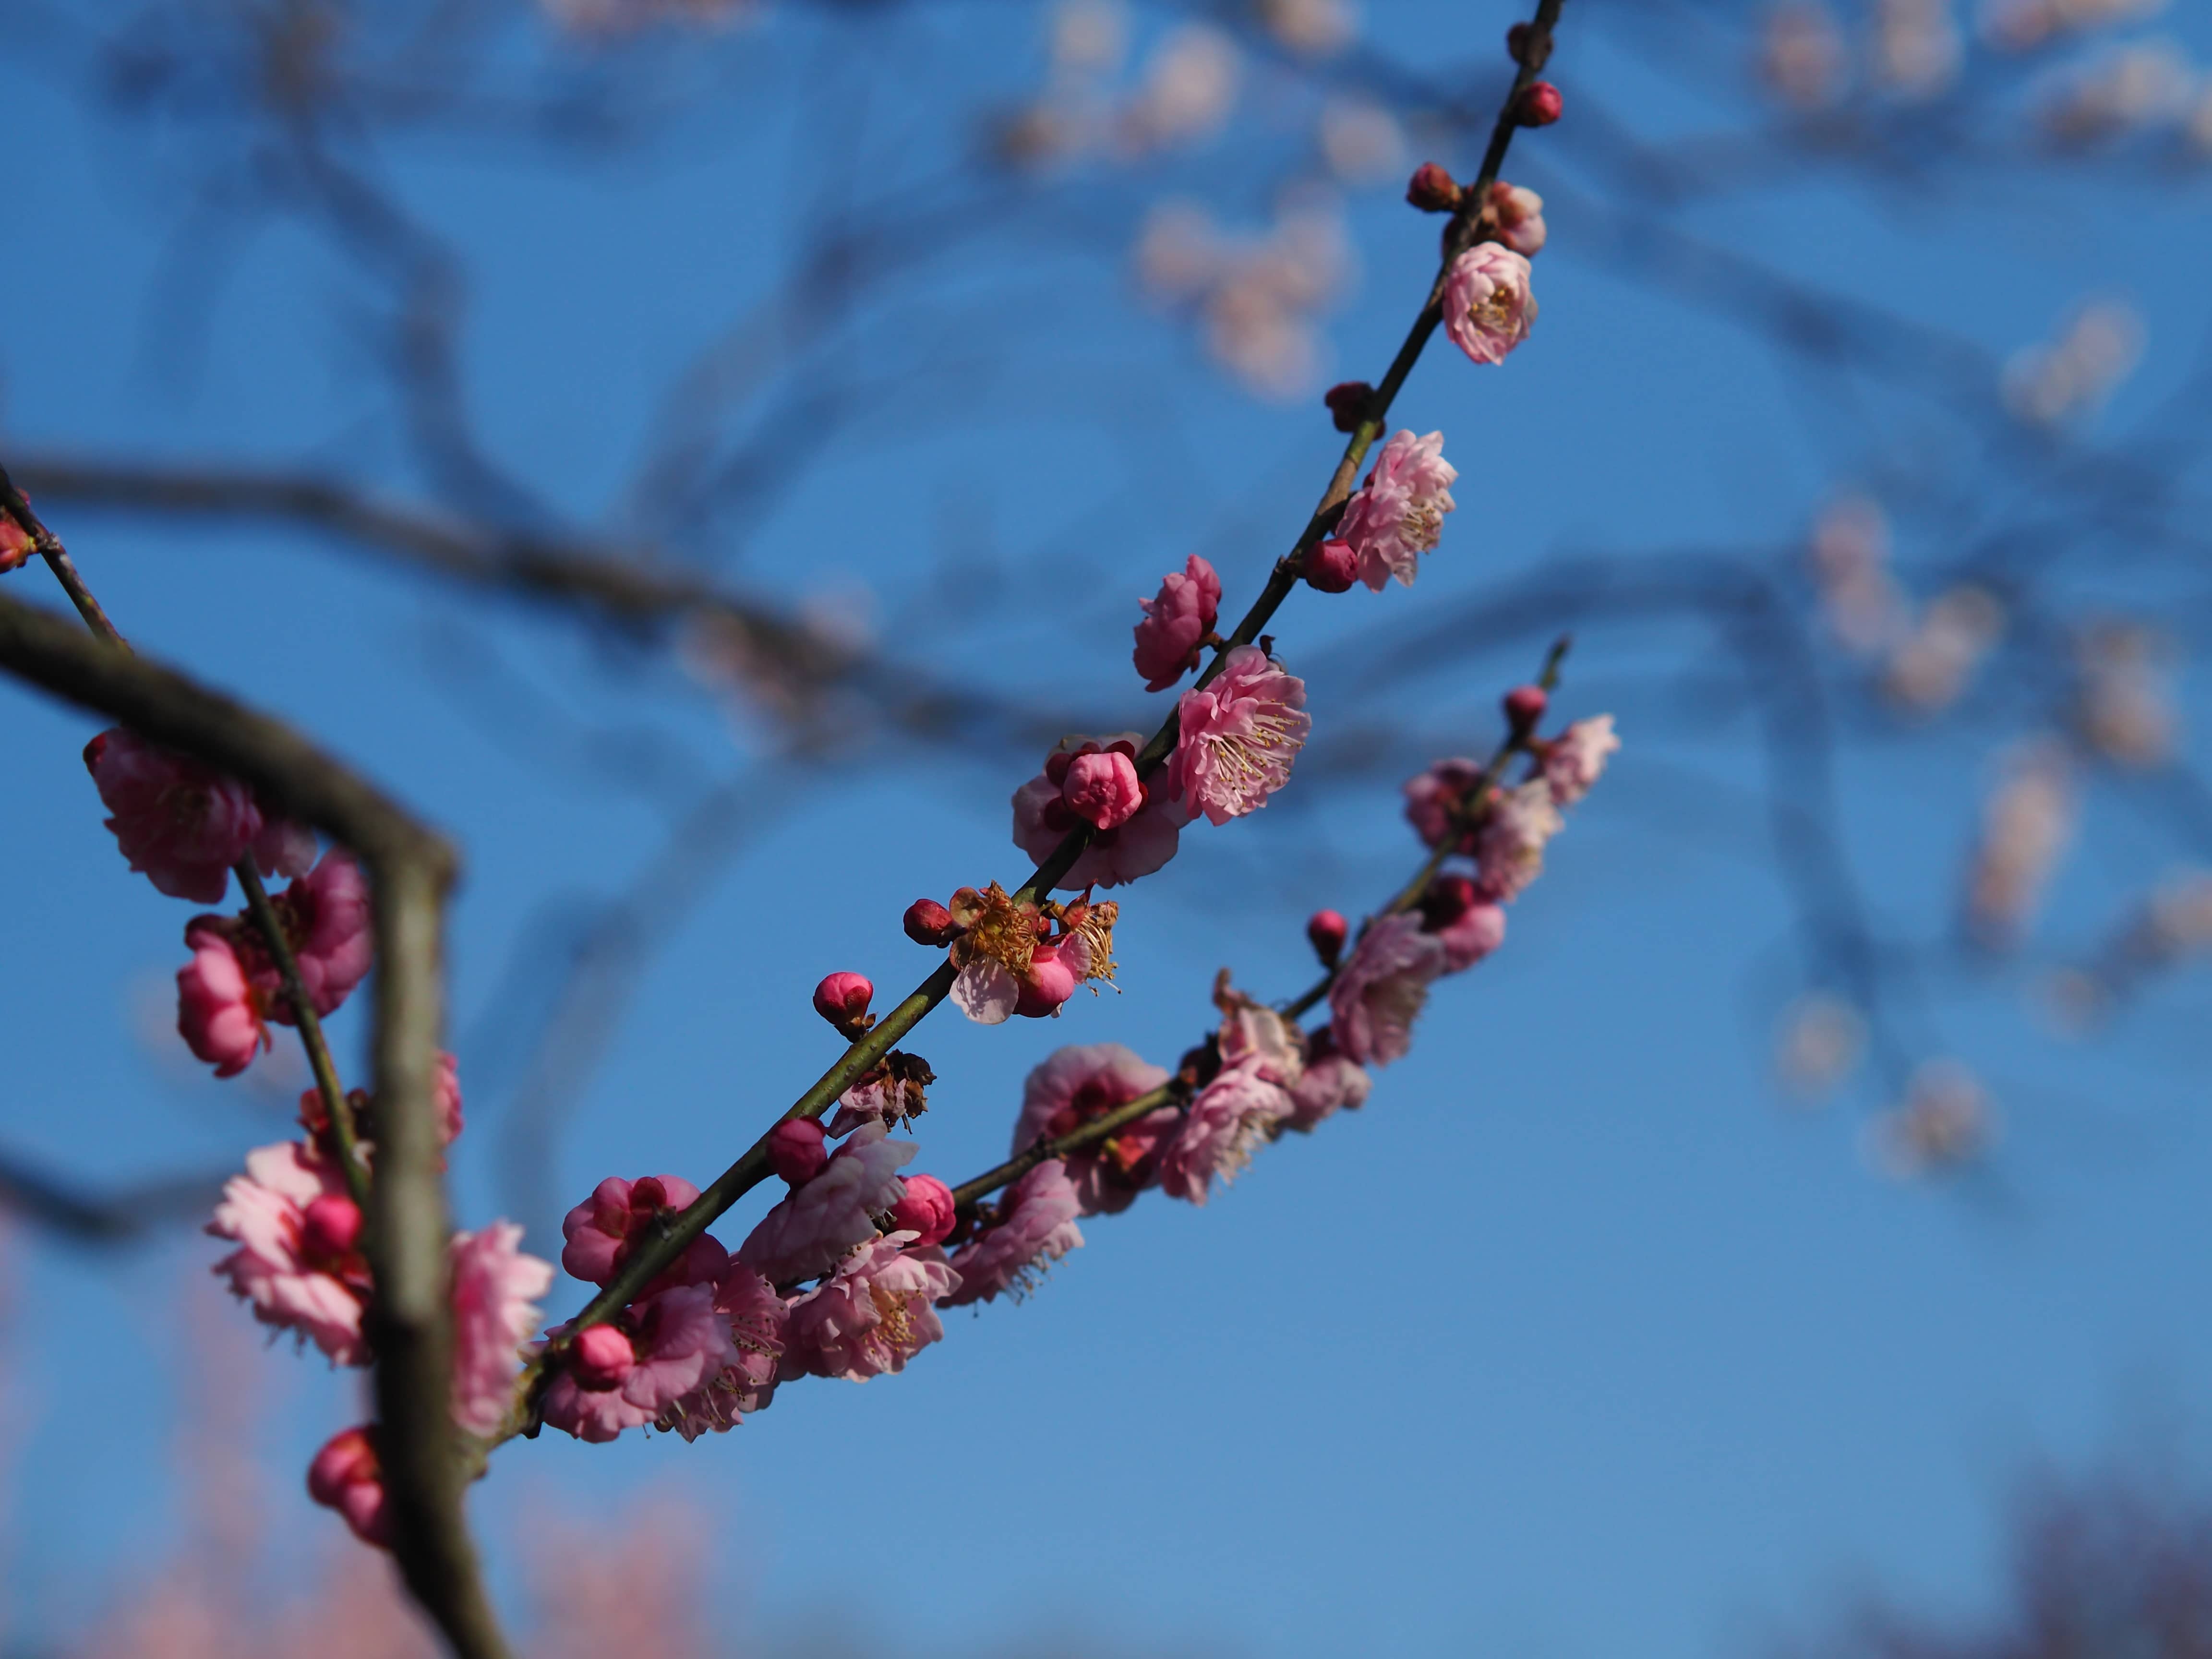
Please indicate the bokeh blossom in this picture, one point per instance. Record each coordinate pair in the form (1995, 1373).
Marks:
(184, 825)
(601, 1232)
(1382, 989)
(1576, 758)
(296, 1262)
(1509, 845)
(494, 1288)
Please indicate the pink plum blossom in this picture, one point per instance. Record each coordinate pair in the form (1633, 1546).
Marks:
(928, 1210)
(493, 1287)
(679, 1340)
(601, 1231)
(325, 915)
(1381, 989)
(1471, 936)
(1078, 1086)
(1520, 216)
(1239, 736)
(184, 825)
(759, 1326)
(1252, 1031)
(872, 1315)
(796, 1150)
(16, 544)
(601, 1357)
(346, 1476)
(219, 1014)
(1230, 1119)
(1037, 1227)
(1576, 758)
(1399, 512)
(1509, 845)
(1331, 1084)
(292, 1273)
(1050, 981)
(816, 1223)
(1487, 304)
(987, 992)
(1434, 797)
(1103, 789)
(1175, 621)
(1136, 847)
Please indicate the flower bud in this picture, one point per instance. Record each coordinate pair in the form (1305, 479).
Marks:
(1103, 790)
(345, 1476)
(926, 1209)
(1048, 983)
(1431, 189)
(1331, 566)
(1347, 404)
(928, 922)
(600, 1357)
(1524, 707)
(843, 1000)
(795, 1150)
(1539, 105)
(1327, 929)
(1447, 899)
(1521, 41)
(329, 1227)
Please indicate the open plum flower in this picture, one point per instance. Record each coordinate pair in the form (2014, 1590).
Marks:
(871, 1315)
(184, 825)
(1036, 1227)
(1081, 1084)
(1240, 734)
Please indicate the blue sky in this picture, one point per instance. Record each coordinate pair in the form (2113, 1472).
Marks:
(1579, 1340)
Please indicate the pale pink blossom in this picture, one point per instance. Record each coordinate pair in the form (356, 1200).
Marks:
(1078, 1086)
(1382, 989)
(1231, 1118)
(1331, 1082)
(346, 1476)
(1509, 845)
(1576, 758)
(816, 1223)
(495, 1287)
(1239, 736)
(1103, 790)
(1487, 304)
(1399, 515)
(872, 1315)
(601, 1232)
(1434, 797)
(1471, 936)
(987, 992)
(184, 825)
(1038, 1228)
(1520, 216)
(298, 1278)
(219, 1014)
(1175, 621)
(680, 1339)
(1137, 847)
(759, 1326)
(1251, 1030)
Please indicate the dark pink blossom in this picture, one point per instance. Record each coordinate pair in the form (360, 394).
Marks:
(1183, 614)
(297, 1278)
(1382, 989)
(601, 1357)
(1232, 1117)
(872, 1315)
(1331, 566)
(1399, 515)
(1331, 1084)
(325, 915)
(1326, 931)
(495, 1287)
(796, 1150)
(1103, 789)
(345, 1476)
(1137, 847)
(1471, 936)
(16, 544)
(1038, 1227)
(816, 1223)
(1078, 1086)
(1487, 304)
(1576, 758)
(601, 1231)
(1434, 797)
(219, 1013)
(842, 999)
(1048, 983)
(1239, 736)
(184, 825)
(678, 1339)
(926, 1211)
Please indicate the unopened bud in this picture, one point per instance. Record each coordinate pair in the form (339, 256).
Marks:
(1524, 46)
(1447, 899)
(1431, 189)
(600, 1357)
(330, 1227)
(1524, 707)
(1347, 404)
(1048, 983)
(843, 1000)
(1331, 566)
(926, 1209)
(1539, 105)
(1328, 930)
(347, 1477)
(795, 1149)
(928, 922)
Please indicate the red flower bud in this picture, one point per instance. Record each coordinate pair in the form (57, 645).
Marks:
(1347, 404)
(329, 1227)
(928, 922)
(1331, 566)
(1524, 707)
(926, 1209)
(843, 1000)
(601, 1357)
(1328, 930)
(795, 1150)
(1539, 105)
(1431, 189)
